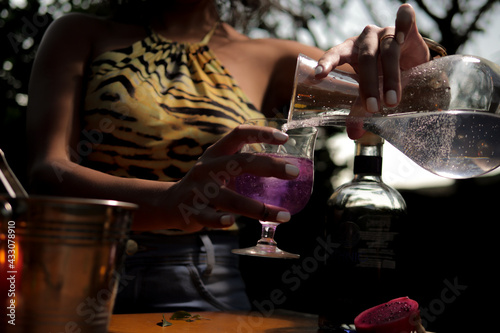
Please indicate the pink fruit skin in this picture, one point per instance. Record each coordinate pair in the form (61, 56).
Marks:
(405, 324)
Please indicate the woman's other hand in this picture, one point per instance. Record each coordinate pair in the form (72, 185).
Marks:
(378, 52)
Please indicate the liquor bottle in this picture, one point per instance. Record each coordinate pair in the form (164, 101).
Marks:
(363, 222)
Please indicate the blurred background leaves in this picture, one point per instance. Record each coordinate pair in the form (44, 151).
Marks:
(317, 22)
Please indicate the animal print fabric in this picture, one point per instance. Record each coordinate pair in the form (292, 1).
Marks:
(151, 109)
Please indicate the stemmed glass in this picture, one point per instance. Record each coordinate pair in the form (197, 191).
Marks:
(292, 194)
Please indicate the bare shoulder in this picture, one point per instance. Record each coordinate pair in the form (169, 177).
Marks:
(287, 48)
(71, 32)
(270, 48)
(286, 51)
(75, 19)
(90, 35)
(76, 25)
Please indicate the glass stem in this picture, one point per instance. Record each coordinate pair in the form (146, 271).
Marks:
(268, 231)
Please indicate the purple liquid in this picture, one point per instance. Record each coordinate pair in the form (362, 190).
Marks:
(290, 194)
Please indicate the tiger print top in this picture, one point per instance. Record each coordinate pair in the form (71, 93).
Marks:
(151, 109)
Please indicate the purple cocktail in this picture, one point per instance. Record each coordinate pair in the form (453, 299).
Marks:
(290, 194)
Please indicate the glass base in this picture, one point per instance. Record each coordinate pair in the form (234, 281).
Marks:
(268, 251)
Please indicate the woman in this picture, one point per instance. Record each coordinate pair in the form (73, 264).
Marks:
(145, 109)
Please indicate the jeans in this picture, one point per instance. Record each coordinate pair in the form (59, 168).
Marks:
(194, 272)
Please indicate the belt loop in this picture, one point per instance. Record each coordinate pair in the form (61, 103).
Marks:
(209, 248)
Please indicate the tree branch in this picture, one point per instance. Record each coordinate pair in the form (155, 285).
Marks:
(426, 9)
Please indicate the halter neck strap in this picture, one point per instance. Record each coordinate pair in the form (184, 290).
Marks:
(209, 35)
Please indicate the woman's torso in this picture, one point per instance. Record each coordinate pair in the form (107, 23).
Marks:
(152, 105)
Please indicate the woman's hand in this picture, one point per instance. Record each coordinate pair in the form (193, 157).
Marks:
(378, 52)
(202, 198)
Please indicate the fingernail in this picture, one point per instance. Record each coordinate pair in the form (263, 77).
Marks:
(372, 104)
(400, 37)
(279, 135)
(292, 170)
(283, 217)
(318, 70)
(227, 220)
(391, 98)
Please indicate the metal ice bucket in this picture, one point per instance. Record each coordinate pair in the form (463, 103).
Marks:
(60, 260)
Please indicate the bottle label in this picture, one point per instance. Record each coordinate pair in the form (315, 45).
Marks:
(376, 242)
(368, 242)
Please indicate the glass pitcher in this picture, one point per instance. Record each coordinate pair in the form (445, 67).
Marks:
(448, 120)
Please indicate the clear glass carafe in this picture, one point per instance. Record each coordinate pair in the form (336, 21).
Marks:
(448, 120)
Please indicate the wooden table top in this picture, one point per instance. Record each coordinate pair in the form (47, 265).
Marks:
(215, 322)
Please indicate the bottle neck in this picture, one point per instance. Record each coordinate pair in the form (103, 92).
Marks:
(368, 159)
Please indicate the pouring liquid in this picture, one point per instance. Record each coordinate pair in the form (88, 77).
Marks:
(453, 144)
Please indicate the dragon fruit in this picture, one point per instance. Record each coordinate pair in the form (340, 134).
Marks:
(400, 315)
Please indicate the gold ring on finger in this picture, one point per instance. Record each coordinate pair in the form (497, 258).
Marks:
(387, 36)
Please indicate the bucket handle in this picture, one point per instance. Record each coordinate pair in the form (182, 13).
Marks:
(9, 180)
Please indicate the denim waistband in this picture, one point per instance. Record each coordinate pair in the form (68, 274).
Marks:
(208, 247)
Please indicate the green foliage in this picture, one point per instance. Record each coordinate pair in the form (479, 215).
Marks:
(22, 25)
(22, 30)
